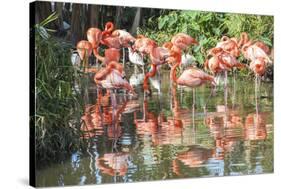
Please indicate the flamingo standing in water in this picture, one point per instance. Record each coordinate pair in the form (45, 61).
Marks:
(117, 38)
(137, 60)
(222, 61)
(191, 77)
(244, 39)
(111, 77)
(258, 53)
(157, 56)
(229, 45)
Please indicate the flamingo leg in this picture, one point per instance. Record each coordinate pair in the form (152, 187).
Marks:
(193, 97)
(225, 101)
(209, 97)
(234, 88)
(193, 123)
(225, 87)
(123, 58)
(256, 93)
(159, 78)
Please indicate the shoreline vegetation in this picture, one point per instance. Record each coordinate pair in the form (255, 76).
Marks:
(59, 105)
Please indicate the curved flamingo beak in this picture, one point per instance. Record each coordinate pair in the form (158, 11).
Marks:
(131, 43)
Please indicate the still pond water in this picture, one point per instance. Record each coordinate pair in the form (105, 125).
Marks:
(163, 137)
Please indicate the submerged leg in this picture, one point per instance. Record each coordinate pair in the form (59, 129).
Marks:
(225, 104)
(234, 89)
(256, 93)
(225, 88)
(159, 79)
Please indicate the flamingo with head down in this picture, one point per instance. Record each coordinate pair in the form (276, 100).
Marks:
(192, 77)
(156, 54)
(229, 45)
(84, 49)
(111, 78)
(258, 53)
(244, 39)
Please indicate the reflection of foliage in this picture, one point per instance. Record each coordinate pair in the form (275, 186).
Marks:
(55, 99)
(208, 28)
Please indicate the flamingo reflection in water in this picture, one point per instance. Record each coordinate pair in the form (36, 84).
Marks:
(97, 117)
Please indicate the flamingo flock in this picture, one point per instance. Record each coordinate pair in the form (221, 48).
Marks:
(221, 59)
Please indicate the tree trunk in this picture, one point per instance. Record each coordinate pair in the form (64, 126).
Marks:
(42, 11)
(59, 21)
(117, 20)
(76, 30)
(67, 13)
(93, 16)
(136, 22)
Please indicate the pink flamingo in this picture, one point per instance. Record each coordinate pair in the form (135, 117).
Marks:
(111, 78)
(244, 39)
(157, 56)
(229, 45)
(84, 49)
(192, 77)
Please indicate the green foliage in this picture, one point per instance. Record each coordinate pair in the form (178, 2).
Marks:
(208, 28)
(55, 98)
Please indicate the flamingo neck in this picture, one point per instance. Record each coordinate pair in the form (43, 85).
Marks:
(173, 74)
(109, 27)
(148, 75)
(243, 39)
(97, 55)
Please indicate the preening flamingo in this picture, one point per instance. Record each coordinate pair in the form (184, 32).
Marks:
(156, 54)
(244, 39)
(117, 38)
(229, 45)
(111, 77)
(182, 40)
(252, 52)
(94, 36)
(222, 61)
(192, 77)
(258, 53)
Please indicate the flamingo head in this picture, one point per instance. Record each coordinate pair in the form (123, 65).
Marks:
(244, 38)
(224, 38)
(215, 51)
(109, 26)
(84, 49)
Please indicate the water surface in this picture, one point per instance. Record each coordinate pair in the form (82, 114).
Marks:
(166, 137)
